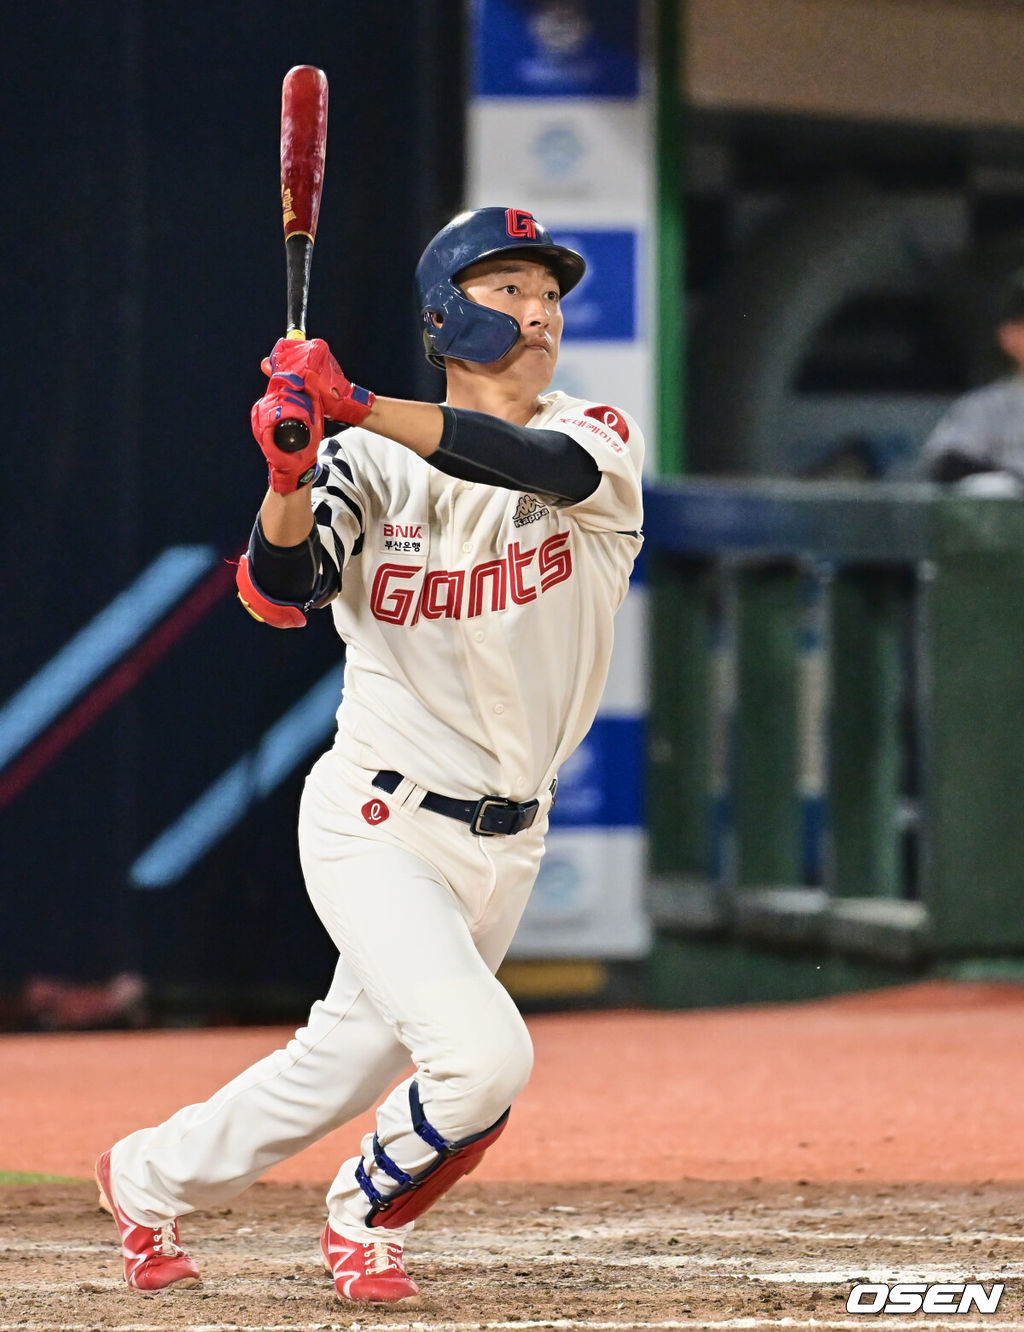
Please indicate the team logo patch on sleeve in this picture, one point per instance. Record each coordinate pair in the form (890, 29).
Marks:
(612, 419)
(588, 423)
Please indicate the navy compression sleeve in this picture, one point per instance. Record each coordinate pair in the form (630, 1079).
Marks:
(478, 447)
(295, 575)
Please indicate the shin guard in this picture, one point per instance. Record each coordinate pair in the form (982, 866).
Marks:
(415, 1193)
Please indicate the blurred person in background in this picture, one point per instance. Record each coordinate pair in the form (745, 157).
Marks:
(979, 441)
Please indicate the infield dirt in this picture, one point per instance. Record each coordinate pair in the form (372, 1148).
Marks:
(693, 1254)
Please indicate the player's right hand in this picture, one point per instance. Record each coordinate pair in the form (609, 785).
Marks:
(322, 377)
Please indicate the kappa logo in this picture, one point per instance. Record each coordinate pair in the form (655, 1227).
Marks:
(374, 812)
(529, 510)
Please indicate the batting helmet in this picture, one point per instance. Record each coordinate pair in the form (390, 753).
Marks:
(453, 325)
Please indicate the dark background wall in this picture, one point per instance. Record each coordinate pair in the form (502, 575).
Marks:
(143, 281)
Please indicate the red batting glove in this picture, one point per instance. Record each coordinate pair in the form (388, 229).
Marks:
(323, 377)
(286, 400)
(306, 384)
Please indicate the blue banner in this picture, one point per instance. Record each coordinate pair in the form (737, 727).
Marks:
(603, 308)
(556, 48)
(601, 784)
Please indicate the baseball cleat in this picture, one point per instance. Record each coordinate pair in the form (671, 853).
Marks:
(372, 1271)
(153, 1257)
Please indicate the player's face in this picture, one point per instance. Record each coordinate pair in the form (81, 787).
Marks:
(1011, 339)
(529, 292)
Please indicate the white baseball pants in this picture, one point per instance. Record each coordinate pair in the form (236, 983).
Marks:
(422, 912)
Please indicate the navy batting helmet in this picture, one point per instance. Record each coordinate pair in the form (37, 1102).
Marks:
(453, 325)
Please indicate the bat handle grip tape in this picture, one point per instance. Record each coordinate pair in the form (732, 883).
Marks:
(293, 436)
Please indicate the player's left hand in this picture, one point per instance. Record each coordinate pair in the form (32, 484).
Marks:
(306, 384)
(286, 399)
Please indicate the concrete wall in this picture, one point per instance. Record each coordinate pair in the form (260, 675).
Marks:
(954, 62)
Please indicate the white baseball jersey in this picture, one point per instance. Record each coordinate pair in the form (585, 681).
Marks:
(986, 426)
(478, 620)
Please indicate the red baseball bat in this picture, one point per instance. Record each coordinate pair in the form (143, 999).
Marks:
(303, 152)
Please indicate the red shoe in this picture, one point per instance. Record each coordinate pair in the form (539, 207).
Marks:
(153, 1258)
(371, 1271)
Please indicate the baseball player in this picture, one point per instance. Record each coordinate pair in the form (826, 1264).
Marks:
(473, 555)
(979, 441)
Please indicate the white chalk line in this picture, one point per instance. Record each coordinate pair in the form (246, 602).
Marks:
(726, 1265)
(889, 1275)
(516, 1244)
(727, 1269)
(570, 1325)
(867, 1237)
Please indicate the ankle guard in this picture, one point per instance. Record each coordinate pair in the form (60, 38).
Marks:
(415, 1193)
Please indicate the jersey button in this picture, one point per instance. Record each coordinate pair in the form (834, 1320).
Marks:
(499, 708)
(468, 485)
(467, 547)
(479, 635)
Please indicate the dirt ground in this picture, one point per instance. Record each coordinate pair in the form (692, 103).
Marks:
(692, 1254)
(723, 1139)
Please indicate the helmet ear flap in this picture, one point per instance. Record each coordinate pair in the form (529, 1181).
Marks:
(453, 325)
(468, 331)
(433, 322)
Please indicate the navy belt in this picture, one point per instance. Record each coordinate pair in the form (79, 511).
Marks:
(490, 816)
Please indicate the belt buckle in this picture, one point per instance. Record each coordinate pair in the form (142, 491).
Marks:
(524, 815)
(482, 806)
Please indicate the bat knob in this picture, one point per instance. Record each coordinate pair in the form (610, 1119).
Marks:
(291, 436)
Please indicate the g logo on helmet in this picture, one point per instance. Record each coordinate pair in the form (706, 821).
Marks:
(520, 224)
